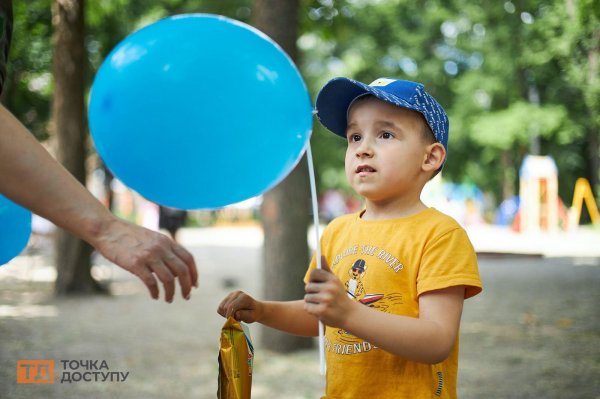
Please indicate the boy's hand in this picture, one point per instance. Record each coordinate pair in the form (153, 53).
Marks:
(326, 297)
(241, 306)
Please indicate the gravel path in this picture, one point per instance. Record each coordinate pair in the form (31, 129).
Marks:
(533, 333)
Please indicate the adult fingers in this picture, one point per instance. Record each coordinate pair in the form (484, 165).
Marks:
(189, 262)
(148, 279)
(179, 269)
(166, 277)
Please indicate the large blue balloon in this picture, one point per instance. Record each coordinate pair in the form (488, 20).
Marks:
(199, 111)
(15, 229)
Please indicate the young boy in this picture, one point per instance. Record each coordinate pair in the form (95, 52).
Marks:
(399, 271)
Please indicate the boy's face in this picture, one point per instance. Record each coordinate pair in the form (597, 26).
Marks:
(386, 150)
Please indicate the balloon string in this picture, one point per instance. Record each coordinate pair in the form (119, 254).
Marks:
(315, 209)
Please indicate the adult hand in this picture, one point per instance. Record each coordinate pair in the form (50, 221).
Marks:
(32, 178)
(147, 254)
(326, 297)
(241, 306)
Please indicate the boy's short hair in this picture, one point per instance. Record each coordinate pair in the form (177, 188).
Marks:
(335, 98)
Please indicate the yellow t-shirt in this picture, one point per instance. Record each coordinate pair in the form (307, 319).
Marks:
(387, 264)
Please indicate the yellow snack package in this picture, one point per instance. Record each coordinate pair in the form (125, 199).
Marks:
(235, 361)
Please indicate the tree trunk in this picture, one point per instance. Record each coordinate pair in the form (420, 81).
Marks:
(593, 133)
(72, 255)
(508, 178)
(5, 36)
(286, 209)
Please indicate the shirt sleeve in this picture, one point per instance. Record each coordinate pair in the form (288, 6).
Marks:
(449, 261)
(311, 266)
(324, 242)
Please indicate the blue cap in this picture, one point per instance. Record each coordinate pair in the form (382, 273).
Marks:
(337, 95)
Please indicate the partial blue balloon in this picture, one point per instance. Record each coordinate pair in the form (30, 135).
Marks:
(199, 111)
(15, 229)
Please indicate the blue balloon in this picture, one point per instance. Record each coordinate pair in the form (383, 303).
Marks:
(199, 111)
(15, 229)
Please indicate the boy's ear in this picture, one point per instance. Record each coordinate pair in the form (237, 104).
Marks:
(434, 157)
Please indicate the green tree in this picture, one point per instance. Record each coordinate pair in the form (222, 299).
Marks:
(38, 75)
(515, 77)
(29, 81)
(72, 255)
(285, 211)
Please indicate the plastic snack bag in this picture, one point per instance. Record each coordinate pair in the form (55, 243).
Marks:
(235, 361)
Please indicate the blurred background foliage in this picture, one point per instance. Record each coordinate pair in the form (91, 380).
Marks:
(516, 77)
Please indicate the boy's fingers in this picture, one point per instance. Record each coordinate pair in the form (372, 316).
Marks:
(221, 308)
(225, 304)
(237, 301)
(243, 315)
(324, 264)
(311, 288)
(320, 275)
(311, 298)
(229, 310)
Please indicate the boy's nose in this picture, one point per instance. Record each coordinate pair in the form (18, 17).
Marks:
(364, 150)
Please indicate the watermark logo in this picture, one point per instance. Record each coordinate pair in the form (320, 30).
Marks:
(73, 371)
(35, 371)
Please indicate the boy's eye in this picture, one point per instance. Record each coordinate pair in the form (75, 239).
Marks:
(354, 138)
(387, 135)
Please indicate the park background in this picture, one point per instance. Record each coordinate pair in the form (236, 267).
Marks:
(517, 78)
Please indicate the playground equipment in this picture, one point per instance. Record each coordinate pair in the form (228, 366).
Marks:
(582, 192)
(538, 191)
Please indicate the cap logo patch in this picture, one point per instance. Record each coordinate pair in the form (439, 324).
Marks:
(382, 82)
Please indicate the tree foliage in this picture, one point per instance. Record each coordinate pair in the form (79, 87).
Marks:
(515, 77)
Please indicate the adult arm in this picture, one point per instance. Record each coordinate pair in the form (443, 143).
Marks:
(35, 180)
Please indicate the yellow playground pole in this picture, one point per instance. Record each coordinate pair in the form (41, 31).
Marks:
(582, 192)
